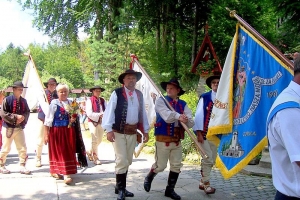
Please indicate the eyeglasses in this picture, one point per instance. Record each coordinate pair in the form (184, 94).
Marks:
(215, 82)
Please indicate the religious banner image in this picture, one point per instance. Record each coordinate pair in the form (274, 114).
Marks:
(252, 78)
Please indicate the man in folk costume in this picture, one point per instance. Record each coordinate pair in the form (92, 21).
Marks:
(168, 134)
(43, 108)
(202, 117)
(95, 107)
(124, 114)
(14, 113)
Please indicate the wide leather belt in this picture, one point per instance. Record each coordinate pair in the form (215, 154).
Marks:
(128, 129)
(166, 138)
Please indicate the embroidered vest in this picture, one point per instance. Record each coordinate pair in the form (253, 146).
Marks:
(50, 97)
(16, 107)
(167, 129)
(207, 108)
(121, 110)
(96, 105)
(61, 117)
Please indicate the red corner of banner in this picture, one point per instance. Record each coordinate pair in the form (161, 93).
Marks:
(133, 57)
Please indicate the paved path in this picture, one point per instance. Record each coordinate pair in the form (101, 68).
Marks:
(97, 182)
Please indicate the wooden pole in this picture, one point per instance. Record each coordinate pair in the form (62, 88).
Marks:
(263, 40)
(192, 135)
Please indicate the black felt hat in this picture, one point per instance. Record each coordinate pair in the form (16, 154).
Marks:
(209, 80)
(175, 82)
(97, 87)
(49, 81)
(130, 71)
(18, 84)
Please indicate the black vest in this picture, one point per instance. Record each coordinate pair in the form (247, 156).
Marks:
(122, 106)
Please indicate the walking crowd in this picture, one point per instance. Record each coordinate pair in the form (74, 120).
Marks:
(124, 116)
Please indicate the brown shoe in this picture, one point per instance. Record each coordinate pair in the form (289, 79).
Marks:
(90, 156)
(38, 162)
(67, 179)
(208, 189)
(96, 159)
(25, 171)
(3, 170)
(57, 176)
(97, 162)
(201, 185)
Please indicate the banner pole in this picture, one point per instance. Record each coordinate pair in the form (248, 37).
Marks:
(263, 40)
(192, 135)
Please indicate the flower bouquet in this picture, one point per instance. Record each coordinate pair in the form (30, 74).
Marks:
(73, 109)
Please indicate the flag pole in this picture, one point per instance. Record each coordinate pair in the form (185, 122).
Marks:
(272, 48)
(31, 60)
(192, 135)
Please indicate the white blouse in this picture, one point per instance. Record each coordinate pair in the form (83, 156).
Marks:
(52, 109)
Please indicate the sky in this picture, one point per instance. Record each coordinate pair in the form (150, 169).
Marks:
(16, 26)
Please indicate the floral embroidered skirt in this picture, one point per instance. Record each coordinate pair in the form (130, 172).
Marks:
(62, 150)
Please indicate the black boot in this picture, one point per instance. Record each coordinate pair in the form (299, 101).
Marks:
(127, 193)
(121, 184)
(148, 180)
(173, 176)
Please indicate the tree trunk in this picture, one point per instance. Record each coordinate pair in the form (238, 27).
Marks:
(195, 34)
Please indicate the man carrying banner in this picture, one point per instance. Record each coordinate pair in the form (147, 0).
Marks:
(124, 114)
(43, 108)
(168, 133)
(95, 107)
(283, 135)
(202, 118)
(15, 113)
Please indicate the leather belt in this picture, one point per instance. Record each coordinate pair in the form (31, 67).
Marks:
(128, 129)
(167, 138)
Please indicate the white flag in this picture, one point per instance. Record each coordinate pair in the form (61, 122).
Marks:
(150, 95)
(34, 94)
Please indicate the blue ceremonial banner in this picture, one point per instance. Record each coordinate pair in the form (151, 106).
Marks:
(252, 78)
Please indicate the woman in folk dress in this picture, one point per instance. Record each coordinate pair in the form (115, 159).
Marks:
(60, 137)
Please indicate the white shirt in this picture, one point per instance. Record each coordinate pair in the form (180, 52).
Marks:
(89, 110)
(199, 116)
(52, 109)
(132, 112)
(170, 116)
(284, 139)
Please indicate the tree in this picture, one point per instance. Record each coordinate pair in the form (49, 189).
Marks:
(287, 15)
(257, 13)
(12, 63)
(63, 19)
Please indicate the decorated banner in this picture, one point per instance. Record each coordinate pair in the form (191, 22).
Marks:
(251, 80)
(149, 92)
(35, 90)
(150, 95)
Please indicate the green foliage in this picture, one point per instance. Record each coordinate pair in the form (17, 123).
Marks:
(257, 13)
(288, 13)
(191, 98)
(12, 63)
